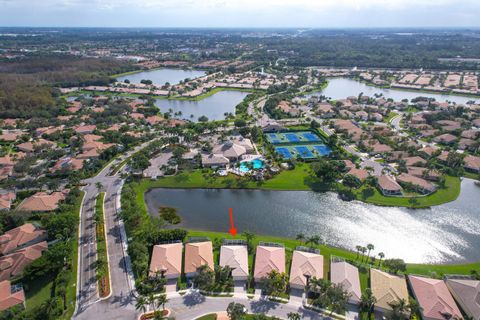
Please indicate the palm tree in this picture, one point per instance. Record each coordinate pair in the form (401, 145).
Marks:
(370, 247)
(363, 250)
(313, 241)
(367, 302)
(381, 255)
(161, 300)
(359, 248)
(300, 237)
(141, 304)
(415, 308)
(399, 309)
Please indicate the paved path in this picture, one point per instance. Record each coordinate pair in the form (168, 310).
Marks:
(193, 305)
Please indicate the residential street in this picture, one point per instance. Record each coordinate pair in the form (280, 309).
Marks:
(193, 305)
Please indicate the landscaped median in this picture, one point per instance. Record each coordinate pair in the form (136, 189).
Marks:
(102, 271)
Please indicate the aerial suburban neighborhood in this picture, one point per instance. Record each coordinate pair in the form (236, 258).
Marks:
(247, 171)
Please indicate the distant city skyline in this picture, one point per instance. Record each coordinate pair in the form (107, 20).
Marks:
(238, 14)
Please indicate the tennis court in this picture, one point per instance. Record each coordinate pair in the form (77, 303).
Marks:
(292, 137)
(305, 151)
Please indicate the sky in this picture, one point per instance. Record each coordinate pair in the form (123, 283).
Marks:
(240, 13)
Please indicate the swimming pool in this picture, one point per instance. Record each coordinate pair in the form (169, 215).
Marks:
(256, 164)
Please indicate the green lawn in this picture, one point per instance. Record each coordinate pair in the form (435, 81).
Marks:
(447, 194)
(38, 291)
(391, 115)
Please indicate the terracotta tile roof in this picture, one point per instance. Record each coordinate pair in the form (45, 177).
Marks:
(346, 275)
(387, 288)
(6, 199)
(9, 299)
(467, 293)
(20, 236)
(42, 201)
(268, 259)
(361, 174)
(85, 129)
(14, 263)
(198, 254)
(416, 181)
(167, 259)
(305, 264)
(388, 183)
(434, 299)
(236, 257)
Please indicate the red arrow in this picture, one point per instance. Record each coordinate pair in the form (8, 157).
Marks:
(233, 230)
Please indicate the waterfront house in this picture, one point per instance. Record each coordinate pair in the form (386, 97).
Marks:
(268, 258)
(472, 163)
(305, 265)
(467, 294)
(344, 274)
(388, 186)
(198, 254)
(361, 174)
(419, 184)
(387, 289)
(435, 300)
(236, 257)
(11, 296)
(167, 260)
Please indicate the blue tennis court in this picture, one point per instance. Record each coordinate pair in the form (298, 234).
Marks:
(284, 152)
(292, 137)
(322, 150)
(304, 152)
(310, 136)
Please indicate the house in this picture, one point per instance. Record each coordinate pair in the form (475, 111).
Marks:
(68, 163)
(153, 120)
(387, 288)
(428, 151)
(236, 257)
(379, 148)
(344, 274)
(361, 174)
(42, 201)
(85, 129)
(472, 163)
(268, 258)
(23, 236)
(32, 146)
(198, 254)
(14, 263)
(434, 299)
(11, 296)
(428, 174)
(285, 107)
(466, 293)
(445, 138)
(305, 265)
(467, 144)
(6, 199)
(325, 110)
(388, 186)
(214, 161)
(167, 260)
(244, 142)
(421, 185)
(415, 161)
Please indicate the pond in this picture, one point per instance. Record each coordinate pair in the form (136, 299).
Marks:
(443, 234)
(213, 107)
(160, 76)
(340, 88)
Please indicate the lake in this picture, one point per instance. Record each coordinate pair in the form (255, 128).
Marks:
(160, 76)
(213, 107)
(443, 234)
(340, 88)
